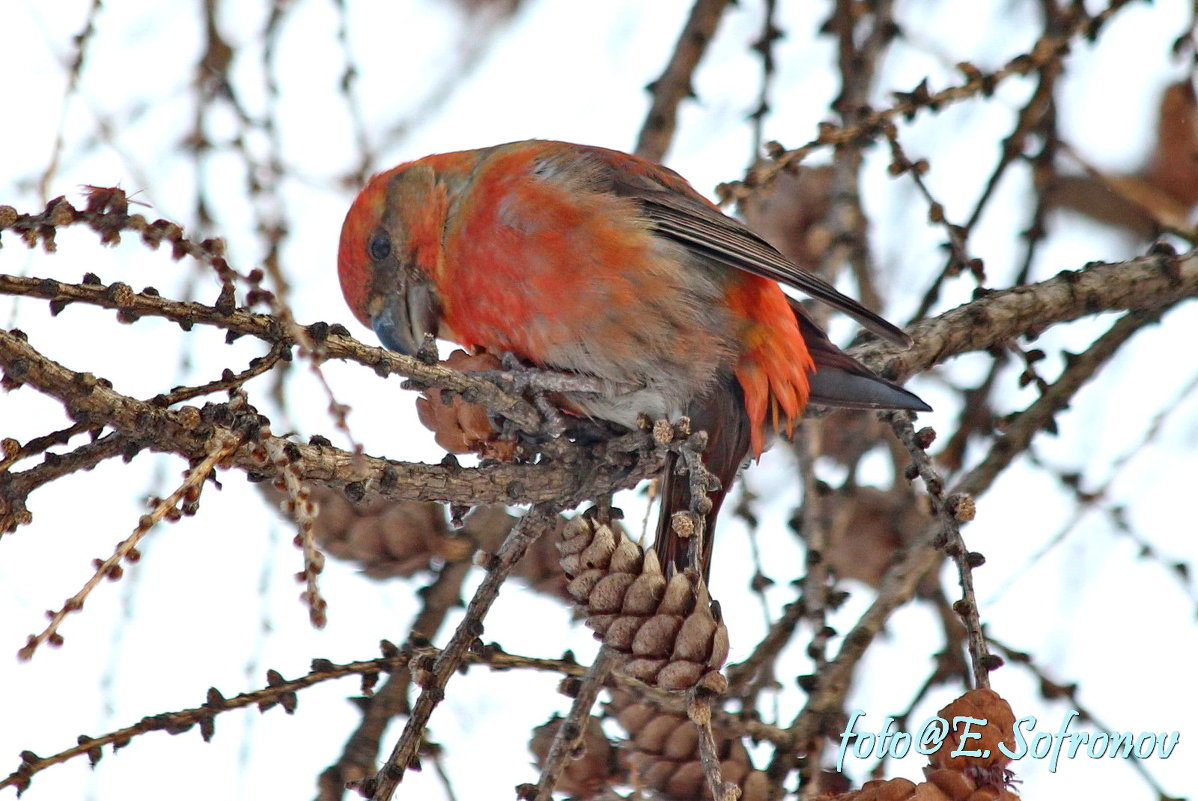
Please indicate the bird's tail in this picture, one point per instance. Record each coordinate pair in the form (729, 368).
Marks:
(839, 380)
(842, 381)
(723, 416)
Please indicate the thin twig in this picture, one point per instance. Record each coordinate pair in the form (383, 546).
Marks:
(675, 85)
(1038, 115)
(1045, 50)
(698, 709)
(950, 511)
(1086, 500)
(82, 40)
(814, 599)
(303, 511)
(1056, 397)
(570, 732)
(12, 451)
(862, 39)
(818, 718)
(353, 102)
(360, 753)
(283, 692)
(219, 448)
(764, 45)
(433, 679)
(959, 259)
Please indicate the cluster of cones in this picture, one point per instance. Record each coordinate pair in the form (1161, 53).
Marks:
(660, 754)
(669, 634)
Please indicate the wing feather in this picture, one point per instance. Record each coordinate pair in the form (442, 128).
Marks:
(717, 236)
(678, 212)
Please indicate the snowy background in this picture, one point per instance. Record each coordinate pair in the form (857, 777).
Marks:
(213, 601)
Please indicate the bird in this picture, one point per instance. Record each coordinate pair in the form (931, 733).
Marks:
(586, 260)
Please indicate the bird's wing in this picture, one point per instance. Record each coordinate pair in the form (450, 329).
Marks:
(712, 233)
(678, 212)
(840, 380)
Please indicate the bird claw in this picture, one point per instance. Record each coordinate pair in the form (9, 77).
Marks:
(522, 378)
(540, 384)
(554, 423)
(427, 353)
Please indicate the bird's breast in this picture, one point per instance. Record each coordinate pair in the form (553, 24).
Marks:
(578, 282)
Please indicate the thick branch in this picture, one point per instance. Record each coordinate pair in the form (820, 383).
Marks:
(1149, 282)
(1144, 283)
(331, 342)
(185, 431)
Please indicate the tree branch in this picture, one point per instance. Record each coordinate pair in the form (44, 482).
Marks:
(433, 678)
(674, 85)
(185, 431)
(1143, 283)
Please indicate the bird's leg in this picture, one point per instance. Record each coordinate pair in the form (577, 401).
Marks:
(555, 423)
(518, 377)
(701, 482)
(541, 384)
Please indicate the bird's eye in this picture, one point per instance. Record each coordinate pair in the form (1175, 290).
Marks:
(380, 246)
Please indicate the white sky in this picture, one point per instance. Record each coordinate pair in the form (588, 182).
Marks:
(213, 602)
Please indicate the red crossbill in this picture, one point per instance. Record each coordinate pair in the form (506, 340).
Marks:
(592, 261)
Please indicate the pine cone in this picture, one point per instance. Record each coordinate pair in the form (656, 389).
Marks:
(587, 773)
(385, 538)
(663, 752)
(671, 630)
(459, 426)
(943, 785)
(958, 785)
(958, 778)
(983, 704)
(892, 790)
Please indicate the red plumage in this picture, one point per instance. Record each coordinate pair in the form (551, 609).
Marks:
(589, 260)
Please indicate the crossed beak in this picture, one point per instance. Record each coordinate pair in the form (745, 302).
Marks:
(406, 317)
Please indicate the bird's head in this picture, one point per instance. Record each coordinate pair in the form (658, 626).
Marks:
(391, 253)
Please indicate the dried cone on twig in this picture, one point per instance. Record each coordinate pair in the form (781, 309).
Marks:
(384, 537)
(457, 425)
(670, 630)
(981, 704)
(590, 771)
(958, 778)
(397, 539)
(662, 752)
(869, 528)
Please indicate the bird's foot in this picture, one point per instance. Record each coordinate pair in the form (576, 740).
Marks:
(549, 391)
